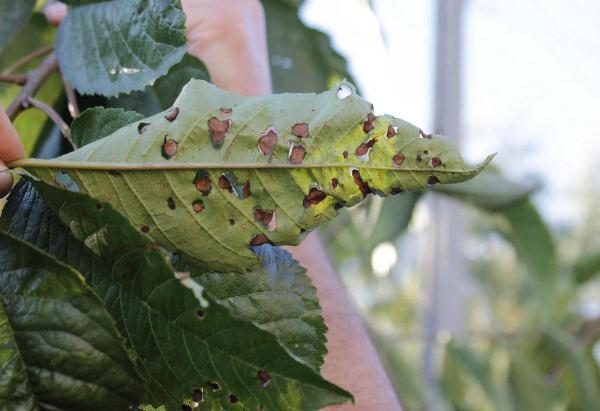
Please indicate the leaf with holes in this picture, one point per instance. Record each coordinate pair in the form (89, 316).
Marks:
(219, 172)
(59, 348)
(113, 47)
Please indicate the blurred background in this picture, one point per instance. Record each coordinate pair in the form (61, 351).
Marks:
(479, 296)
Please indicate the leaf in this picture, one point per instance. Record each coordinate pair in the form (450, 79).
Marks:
(219, 172)
(118, 46)
(228, 351)
(60, 349)
(13, 16)
(98, 122)
(529, 386)
(586, 268)
(278, 298)
(168, 87)
(490, 191)
(302, 59)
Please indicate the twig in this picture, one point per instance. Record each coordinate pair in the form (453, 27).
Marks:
(54, 116)
(27, 58)
(35, 79)
(72, 99)
(13, 78)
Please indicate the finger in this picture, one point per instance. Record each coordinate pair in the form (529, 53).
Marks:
(10, 144)
(55, 12)
(6, 180)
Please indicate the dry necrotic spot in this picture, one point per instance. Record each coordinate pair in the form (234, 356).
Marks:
(246, 190)
(200, 314)
(259, 239)
(392, 131)
(264, 216)
(345, 154)
(185, 407)
(368, 126)
(338, 206)
(217, 130)
(398, 159)
(267, 141)
(213, 385)
(169, 148)
(264, 377)
(145, 229)
(435, 162)
(335, 182)
(231, 221)
(396, 190)
(419, 158)
(225, 184)
(315, 196)
(362, 152)
(197, 395)
(202, 183)
(172, 114)
(296, 154)
(171, 203)
(432, 180)
(198, 206)
(233, 398)
(142, 127)
(422, 134)
(300, 130)
(343, 91)
(362, 185)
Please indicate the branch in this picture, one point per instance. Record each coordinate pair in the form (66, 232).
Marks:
(72, 99)
(13, 78)
(34, 80)
(54, 116)
(27, 58)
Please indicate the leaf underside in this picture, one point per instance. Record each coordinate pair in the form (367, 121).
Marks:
(219, 172)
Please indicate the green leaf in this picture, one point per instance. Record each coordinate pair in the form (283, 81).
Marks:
(490, 191)
(118, 46)
(586, 268)
(13, 17)
(168, 87)
(302, 59)
(530, 388)
(219, 171)
(159, 316)
(98, 122)
(60, 349)
(277, 297)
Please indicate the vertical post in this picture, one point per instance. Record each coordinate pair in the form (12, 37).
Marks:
(448, 280)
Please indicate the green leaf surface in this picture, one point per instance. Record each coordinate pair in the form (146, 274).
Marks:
(586, 268)
(60, 348)
(118, 46)
(220, 172)
(530, 388)
(160, 316)
(13, 17)
(98, 122)
(168, 87)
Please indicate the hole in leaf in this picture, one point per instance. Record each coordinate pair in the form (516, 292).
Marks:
(343, 91)
(213, 385)
(169, 148)
(172, 114)
(392, 131)
(197, 395)
(422, 134)
(226, 112)
(142, 127)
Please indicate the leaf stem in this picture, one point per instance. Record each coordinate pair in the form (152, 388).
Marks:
(73, 106)
(13, 78)
(54, 116)
(34, 80)
(27, 58)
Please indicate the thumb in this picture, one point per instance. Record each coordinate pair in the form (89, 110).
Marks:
(6, 180)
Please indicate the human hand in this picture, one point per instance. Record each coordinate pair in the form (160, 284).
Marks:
(11, 149)
(229, 36)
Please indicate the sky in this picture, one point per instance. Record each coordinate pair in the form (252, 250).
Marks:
(531, 89)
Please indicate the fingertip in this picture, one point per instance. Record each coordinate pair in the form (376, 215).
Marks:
(6, 180)
(55, 12)
(11, 147)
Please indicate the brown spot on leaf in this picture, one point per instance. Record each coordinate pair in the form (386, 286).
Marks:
(264, 377)
(391, 131)
(169, 148)
(217, 130)
(368, 125)
(267, 141)
(362, 185)
(396, 190)
(233, 398)
(246, 190)
(398, 159)
(145, 229)
(213, 385)
(171, 203)
(225, 184)
(364, 148)
(345, 154)
(338, 206)
(259, 239)
(200, 314)
(231, 221)
(422, 134)
(435, 162)
(300, 130)
(419, 158)
(198, 206)
(172, 114)
(263, 216)
(202, 182)
(315, 196)
(197, 395)
(335, 182)
(297, 154)
(432, 180)
(142, 127)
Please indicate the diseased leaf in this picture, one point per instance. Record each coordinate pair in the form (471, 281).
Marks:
(160, 316)
(113, 47)
(13, 17)
(219, 172)
(98, 122)
(60, 349)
